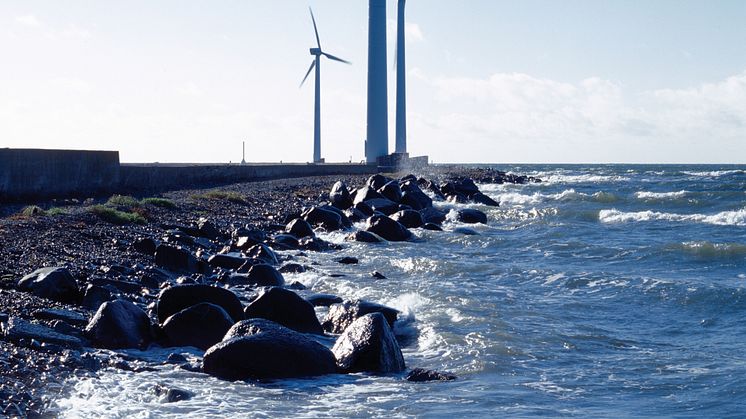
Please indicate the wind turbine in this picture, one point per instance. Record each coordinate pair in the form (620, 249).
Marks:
(317, 53)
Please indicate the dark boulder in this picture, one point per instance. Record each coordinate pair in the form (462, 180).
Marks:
(119, 324)
(377, 181)
(421, 375)
(145, 246)
(207, 229)
(339, 196)
(245, 237)
(171, 394)
(364, 208)
(391, 191)
(369, 345)
(457, 198)
(315, 244)
(262, 349)
(16, 329)
(324, 300)
(175, 259)
(54, 283)
(377, 275)
(348, 260)
(263, 253)
(471, 216)
(483, 199)
(174, 299)
(433, 215)
(299, 228)
(346, 223)
(465, 186)
(365, 237)
(409, 218)
(328, 220)
(285, 241)
(340, 316)
(226, 261)
(383, 205)
(432, 227)
(286, 308)
(292, 268)
(261, 275)
(366, 193)
(355, 215)
(465, 231)
(387, 228)
(94, 296)
(201, 325)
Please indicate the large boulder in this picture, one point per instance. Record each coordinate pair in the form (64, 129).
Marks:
(391, 191)
(409, 218)
(328, 220)
(383, 205)
(226, 261)
(340, 316)
(175, 259)
(16, 329)
(346, 223)
(364, 237)
(119, 324)
(387, 228)
(365, 193)
(483, 199)
(364, 208)
(247, 237)
(286, 308)
(54, 283)
(471, 216)
(260, 349)
(299, 228)
(465, 186)
(207, 229)
(369, 345)
(263, 253)
(261, 275)
(339, 196)
(201, 325)
(377, 181)
(433, 215)
(285, 242)
(174, 299)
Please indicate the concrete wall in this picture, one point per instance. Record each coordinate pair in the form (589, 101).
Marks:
(29, 174)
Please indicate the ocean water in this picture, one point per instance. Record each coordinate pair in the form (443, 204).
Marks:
(606, 291)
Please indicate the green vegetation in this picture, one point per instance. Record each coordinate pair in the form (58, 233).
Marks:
(124, 201)
(115, 216)
(217, 194)
(158, 202)
(54, 211)
(32, 211)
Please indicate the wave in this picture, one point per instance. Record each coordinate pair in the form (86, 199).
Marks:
(651, 196)
(715, 173)
(516, 198)
(707, 250)
(729, 218)
(586, 178)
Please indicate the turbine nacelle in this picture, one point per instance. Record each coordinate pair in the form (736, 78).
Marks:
(316, 51)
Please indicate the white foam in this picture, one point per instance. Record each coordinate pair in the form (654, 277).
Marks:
(660, 195)
(716, 173)
(585, 178)
(731, 218)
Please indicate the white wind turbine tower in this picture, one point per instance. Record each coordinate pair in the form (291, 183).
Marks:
(317, 53)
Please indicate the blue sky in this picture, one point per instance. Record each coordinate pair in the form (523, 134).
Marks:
(488, 80)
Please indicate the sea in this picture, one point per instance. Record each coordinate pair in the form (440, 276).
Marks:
(603, 291)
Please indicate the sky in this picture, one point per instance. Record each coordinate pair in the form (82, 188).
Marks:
(593, 81)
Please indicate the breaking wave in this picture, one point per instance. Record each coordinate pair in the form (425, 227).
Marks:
(651, 196)
(709, 251)
(715, 173)
(728, 218)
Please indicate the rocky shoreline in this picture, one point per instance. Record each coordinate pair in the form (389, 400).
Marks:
(80, 279)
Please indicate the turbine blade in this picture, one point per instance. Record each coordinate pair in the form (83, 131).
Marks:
(315, 30)
(313, 64)
(331, 57)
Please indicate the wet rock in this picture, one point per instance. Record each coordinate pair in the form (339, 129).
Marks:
(16, 329)
(339, 196)
(421, 375)
(409, 218)
(295, 285)
(201, 325)
(324, 300)
(246, 238)
(391, 191)
(346, 223)
(365, 237)
(471, 216)
(207, 229)
(175, 259)
(377, 181)
(285, 242)
(174, 299)
(364, 208)
(355, 215)
(174, 358)
(263, 253)
(369, 345)
(95, 295)
(292, 268)
(171, 394)
(68, 316)
(54, 283)
(328, 220)
(261, 275)
(432, 227)
(340, 316)
(387, 228)
(465, 186)
(261, 349)
(119, 324)
(299, 228)
(315, 244)
(226, 261)
(286, 308)
(433, 215)
(348, 260)
(483, 199)
(377, 275)
(145, 246)
(415, 198)
(366, 193)
(457, 198)
(383, 205)
(465, 231)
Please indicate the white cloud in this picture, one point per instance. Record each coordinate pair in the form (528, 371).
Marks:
(29, 20)
(412, 32)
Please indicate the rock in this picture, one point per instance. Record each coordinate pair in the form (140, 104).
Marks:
(340, 316)
(481, 198)
(226, 261)
(346, 223)
(364, 208)
(377, 275)
(174, 358)
(347, 260)
(377, 181)
(383, 205)
(369, 345)
(261, 275)
(68, 316)
(328, 220)
(365, 237)
(263, 253)
(420, 375)
(55, 284)
(471, 216)
(175, 259)
(285, 241)
(355, 215)
(261, 349)
(171, 395)
(174, 299)
(414, 197)
(286, 308)
(340, 197)
(465, 186)
(119, 324)
(292, 268)
(94, 296)
(391, 191)
(457, 198)
(409, 218)
(201, 325)
(295, 285)
(145, 246)
(16, 329)
(433, 215)
(465, 231)
(245, 238)
(299, 228)
(408, 177)
(315, 244)
(387, 228)
(432, 227)
(324, 300)
(366, 193)
(207, 229)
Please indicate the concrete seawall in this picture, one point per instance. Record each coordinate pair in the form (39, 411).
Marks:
(34, 174)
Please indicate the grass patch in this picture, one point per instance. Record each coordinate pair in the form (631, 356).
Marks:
(124, 201)
(115, 216)
(54, 211)
(32, 211)
(158, 202)
(226, 195)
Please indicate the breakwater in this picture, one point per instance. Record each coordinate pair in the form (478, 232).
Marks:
(32, 174)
